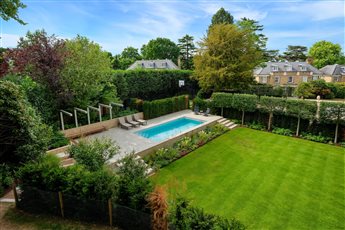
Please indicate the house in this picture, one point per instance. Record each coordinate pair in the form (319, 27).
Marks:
(153, 64)
(333, 73)
(286, 73)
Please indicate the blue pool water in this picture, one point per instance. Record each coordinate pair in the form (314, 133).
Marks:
(169, 129)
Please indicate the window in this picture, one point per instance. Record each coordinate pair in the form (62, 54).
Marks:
(165, 64)
(342, 69)
(290, 79)
(263, 79)
(274, 68)
(305, 79)
(288, 68)
(315, 78)
(335, 79)
(303, 68)
(276, 80)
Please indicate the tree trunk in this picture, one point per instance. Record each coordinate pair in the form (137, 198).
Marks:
(336, 133)
(298, 124)
(242, 117)
(222, 112)
(270, 121)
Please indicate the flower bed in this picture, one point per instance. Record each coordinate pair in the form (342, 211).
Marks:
(165, 156)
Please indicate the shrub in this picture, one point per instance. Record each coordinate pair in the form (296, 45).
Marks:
(184, 216)
(201, 103)
(186, 144)
(282, 131)
(164, 106)
(256, 126)
(153, 84)
(133, 184)
(93, 153)
(202, 137)
(316, 138)
(58, 140)
(74, 180)
(162, 157)
(6, 179)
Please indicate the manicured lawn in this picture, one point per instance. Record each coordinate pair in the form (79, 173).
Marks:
(265, 180)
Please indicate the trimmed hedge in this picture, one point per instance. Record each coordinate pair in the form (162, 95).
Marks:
(153, 84)
(164, 106)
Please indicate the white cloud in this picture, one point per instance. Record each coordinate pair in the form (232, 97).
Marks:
(317, 11)
(9, 40)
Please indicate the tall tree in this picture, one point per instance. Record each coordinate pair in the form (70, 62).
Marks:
(85, 71)
(9, 9)
(131, 53)
(39, 56)
(256, 29)
(271, 55)
(226, 58)
(160, 48)
(325, 53)
(295, 53)
(187, 49)
(23, 137)
(222, 17)
(244, 103)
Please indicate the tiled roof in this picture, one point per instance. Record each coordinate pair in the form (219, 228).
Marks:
(153, 64)
(270, 67)
(333, 69)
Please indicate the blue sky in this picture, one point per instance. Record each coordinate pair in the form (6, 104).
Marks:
(118, 24)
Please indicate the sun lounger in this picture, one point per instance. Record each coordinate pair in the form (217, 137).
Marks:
(124, 124)
(207, 112)
(141, 121)
(130, 121)
(196, 110)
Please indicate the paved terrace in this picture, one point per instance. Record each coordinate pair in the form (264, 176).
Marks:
(130, 142)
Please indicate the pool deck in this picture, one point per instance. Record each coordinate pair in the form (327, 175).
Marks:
(130, 142)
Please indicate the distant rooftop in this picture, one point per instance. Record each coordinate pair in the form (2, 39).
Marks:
(153, 64)
(333, 70)
(285, 67)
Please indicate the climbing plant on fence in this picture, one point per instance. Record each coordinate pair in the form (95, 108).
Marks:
(271, 105)
(164, 106)
(244, 103)
(301, 109)
(331, 112)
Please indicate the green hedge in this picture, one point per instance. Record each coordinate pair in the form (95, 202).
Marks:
(164, 106)
(153, 84)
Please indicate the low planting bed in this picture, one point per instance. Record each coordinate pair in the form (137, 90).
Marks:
(266, 181)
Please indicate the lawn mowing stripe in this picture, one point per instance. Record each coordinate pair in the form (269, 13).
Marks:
(286, 182)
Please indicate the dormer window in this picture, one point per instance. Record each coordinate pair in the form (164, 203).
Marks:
(342, 69)
(274, 68)
(288, 67)
(142, 65)
(165, 64)
(303, 67)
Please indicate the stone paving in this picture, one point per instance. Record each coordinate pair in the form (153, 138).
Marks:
(130, 142)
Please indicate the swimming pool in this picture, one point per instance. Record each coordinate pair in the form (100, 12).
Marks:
(169, 129)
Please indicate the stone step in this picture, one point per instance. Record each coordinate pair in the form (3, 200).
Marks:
(226, 122)
(62, 155)
(68, 162)
(233, 126)
(221, 120)
(229, 124)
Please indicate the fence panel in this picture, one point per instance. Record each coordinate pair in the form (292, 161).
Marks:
(130, 219)
(34, 200)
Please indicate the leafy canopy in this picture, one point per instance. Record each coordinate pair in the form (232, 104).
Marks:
(160, 48)
(325, 53)
(226, 58)
(222, 17)
(9, 9)
(23, 137)
(295, 53)
(187, 49)
(85, 71)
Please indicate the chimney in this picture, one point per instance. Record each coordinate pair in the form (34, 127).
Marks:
(309, 60)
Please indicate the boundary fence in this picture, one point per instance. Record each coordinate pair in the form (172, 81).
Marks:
(105, 212)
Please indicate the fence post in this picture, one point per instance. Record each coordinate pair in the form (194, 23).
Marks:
(110, 207)
(15, 194)
(61, 204)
